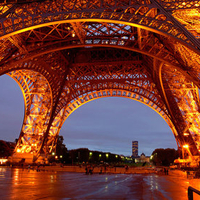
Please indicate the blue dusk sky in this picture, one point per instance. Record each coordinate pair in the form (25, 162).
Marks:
(106, 124)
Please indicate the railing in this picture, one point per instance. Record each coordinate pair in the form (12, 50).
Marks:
(190, 192)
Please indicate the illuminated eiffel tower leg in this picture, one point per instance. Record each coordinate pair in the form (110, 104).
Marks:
(186, 98)
(148, 51)
(37, 98)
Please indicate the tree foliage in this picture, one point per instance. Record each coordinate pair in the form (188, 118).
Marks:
(61, 153)
(164, 157)
(6, 148)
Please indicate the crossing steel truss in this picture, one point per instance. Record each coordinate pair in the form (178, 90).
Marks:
(66, 53)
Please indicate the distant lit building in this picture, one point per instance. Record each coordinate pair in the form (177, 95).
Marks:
(142, 159)
(135, 149)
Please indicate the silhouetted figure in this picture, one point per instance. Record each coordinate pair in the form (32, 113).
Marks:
(126, 168)
(86, 170)
(90, 171)
(143, 164)
(29, 168)
(100, 171)
(37, 169)
(188, 173)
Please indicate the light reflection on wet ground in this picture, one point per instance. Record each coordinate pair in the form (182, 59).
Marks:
(17, 184)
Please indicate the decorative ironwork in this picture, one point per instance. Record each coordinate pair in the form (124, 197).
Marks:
(65, 53)
(37, 96)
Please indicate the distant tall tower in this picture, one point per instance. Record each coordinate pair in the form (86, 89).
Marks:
(135, 149)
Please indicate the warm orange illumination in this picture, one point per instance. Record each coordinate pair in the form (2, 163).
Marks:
(91, 29)
(181, 161)
(3, 160)
(186, 146)
(73, 34)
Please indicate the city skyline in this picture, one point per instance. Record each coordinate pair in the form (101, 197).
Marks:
(107, 124)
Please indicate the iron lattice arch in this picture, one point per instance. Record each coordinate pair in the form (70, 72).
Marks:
(65, 53)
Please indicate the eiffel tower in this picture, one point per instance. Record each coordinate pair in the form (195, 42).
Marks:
(65, 53)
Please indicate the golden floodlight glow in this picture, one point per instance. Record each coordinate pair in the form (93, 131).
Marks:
(186, 146)
(18, 150)
(73, 34)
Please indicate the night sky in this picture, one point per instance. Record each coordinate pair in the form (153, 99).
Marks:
(106, 124)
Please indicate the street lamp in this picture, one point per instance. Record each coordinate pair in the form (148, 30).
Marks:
(186, 146)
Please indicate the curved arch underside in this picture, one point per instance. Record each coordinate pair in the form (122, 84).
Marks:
(64, 54)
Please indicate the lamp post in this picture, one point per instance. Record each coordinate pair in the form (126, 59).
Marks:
(107, 156)
(186, 147)
(90, 156)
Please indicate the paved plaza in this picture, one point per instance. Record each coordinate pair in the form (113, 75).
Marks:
(18, 184)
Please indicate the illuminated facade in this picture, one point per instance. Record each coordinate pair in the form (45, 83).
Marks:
(142, 159)
(66, 53)
(135, 149)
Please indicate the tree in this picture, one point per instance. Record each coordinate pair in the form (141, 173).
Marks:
(61, 154)
(6, 148)
(164, 156)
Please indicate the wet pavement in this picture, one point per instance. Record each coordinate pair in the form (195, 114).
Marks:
(18, 184)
